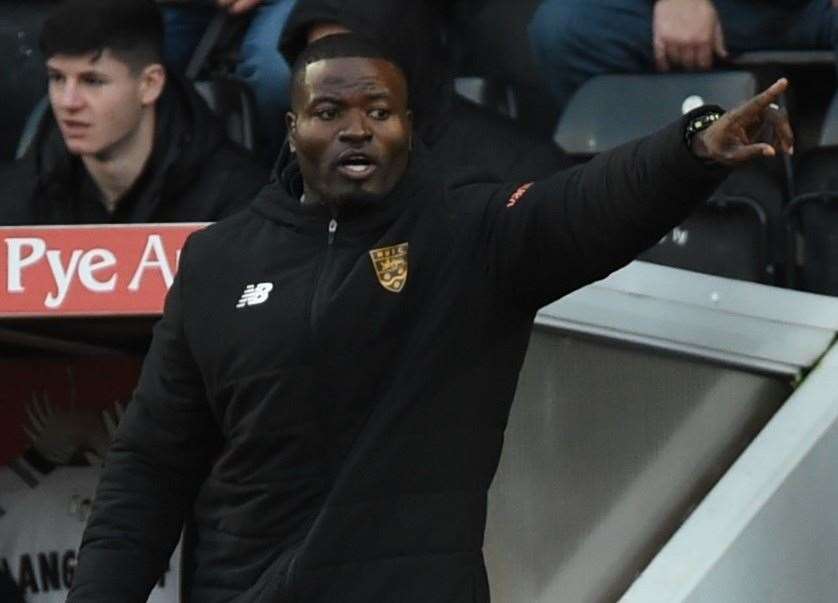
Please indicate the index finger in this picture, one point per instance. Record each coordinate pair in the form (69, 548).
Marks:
(762, 100)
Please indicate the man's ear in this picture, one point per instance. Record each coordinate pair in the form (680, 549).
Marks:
(291, 125)
(152, 82)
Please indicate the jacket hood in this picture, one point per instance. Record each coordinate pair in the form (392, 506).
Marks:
(412, 31)
(186, 134)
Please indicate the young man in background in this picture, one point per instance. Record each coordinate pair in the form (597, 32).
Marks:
(123, 140)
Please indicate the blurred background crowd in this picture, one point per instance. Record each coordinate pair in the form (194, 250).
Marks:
(517, 88)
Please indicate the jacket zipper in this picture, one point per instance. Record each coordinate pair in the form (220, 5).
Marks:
(315, 296)
(333, 228)
(324, 264)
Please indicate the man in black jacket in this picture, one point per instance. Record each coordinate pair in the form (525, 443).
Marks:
(123, 141)
(332, 436)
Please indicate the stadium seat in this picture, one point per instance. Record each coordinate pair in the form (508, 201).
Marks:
(30, 127)
(811, 218)
(23, 77)
(488, 93)
(493, 42)
(787, 58)
(735, 234)
(609, 110)
(209, 68)
(232, 100)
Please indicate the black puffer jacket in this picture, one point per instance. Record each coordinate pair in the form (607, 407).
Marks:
(351, 380)
(195, 173)
(457, 131)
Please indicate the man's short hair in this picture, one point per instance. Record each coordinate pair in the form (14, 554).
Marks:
(132, 30)
(339, 46)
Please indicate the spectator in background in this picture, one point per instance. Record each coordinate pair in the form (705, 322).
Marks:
(574, 40)
(260, 64)
(458, 132)
(124, 141)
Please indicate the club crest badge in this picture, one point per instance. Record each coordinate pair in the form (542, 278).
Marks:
(390, 265)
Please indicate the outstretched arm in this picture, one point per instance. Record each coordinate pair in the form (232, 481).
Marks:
(577, 226)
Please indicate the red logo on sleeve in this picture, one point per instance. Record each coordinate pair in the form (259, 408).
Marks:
(516, 196)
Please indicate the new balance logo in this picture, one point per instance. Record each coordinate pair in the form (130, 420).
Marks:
(255, 294)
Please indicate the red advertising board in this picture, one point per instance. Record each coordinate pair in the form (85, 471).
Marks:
(113, 269)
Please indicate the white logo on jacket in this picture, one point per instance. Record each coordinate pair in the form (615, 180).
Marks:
(255, 294)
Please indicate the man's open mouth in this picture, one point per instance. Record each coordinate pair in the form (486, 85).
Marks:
(356, 166)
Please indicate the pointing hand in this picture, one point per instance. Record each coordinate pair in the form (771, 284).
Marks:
(735, 138)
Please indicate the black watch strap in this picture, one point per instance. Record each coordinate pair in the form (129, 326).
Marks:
(700, 119)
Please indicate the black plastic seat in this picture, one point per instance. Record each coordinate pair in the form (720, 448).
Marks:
(612, 109)
(232, 100)
(811, 218)
(733, 233)
(30, 127)
(23, 76)
(488, 93)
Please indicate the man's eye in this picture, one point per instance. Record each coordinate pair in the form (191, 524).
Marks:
(92, 80)
(326, 114)
(380, 114)
(55, 77)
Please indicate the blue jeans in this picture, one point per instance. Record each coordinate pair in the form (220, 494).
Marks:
(261, 65)
(266, 71)
(574, 40)
(183, 26)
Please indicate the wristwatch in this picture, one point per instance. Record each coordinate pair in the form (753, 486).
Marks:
(700, 119)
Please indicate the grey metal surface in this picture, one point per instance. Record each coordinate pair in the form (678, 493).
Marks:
(768, 531)
(747, 325)
(607, 449)
(638, 393)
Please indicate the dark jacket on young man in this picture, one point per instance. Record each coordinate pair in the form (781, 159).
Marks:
(325, 398)
(459, 132)
(194, 174)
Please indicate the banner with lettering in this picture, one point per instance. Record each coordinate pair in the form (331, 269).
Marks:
(113, 269)
(57, 417)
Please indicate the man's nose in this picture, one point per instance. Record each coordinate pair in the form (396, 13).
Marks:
(69, 97)
(355, 128)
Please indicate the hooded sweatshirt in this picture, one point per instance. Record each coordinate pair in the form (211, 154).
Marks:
(458, 132)
(194, 173)
(332, 437)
